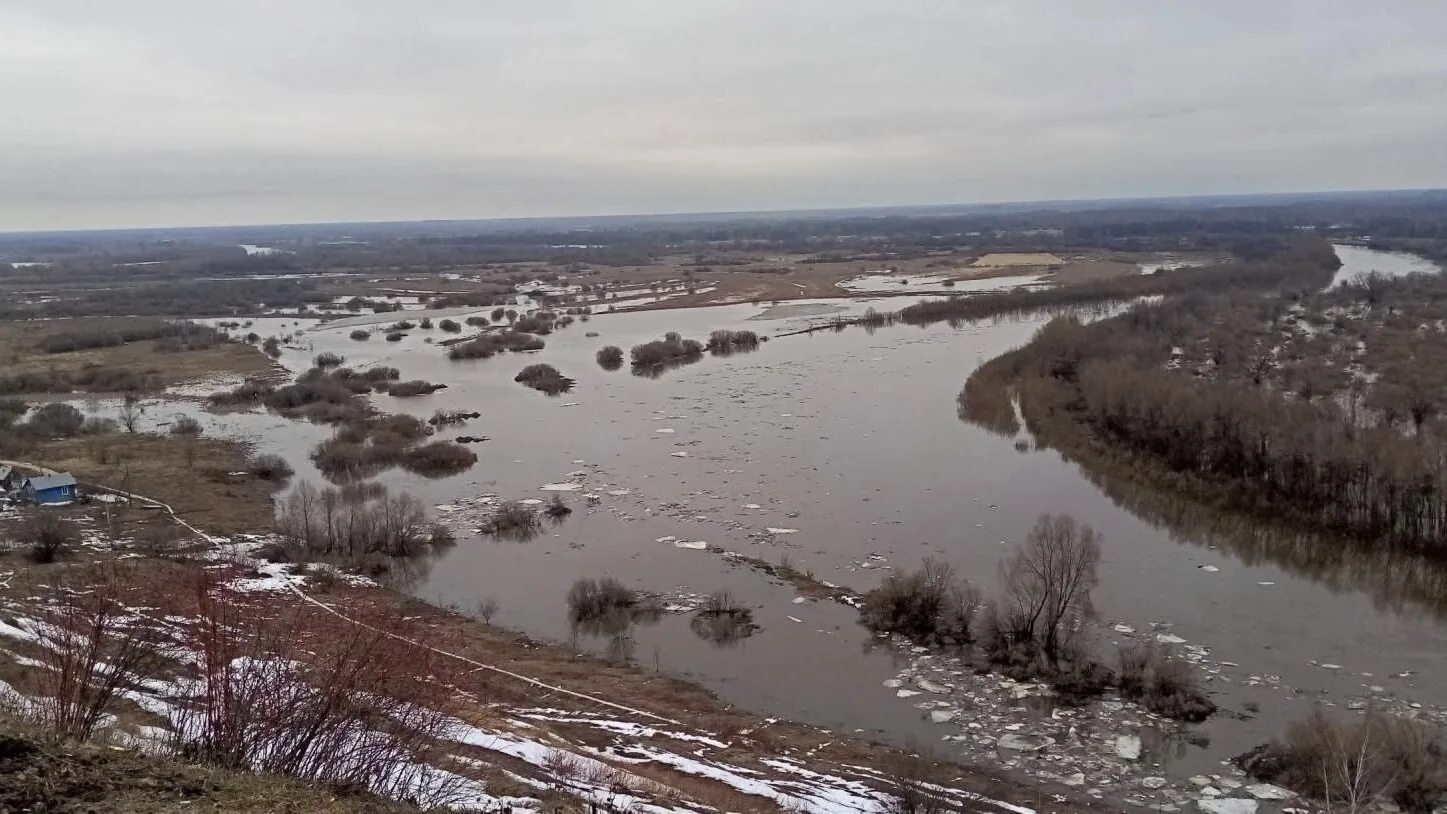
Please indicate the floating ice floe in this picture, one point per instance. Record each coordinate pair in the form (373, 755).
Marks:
(773, 530)
(620, 492)
(1210, 569)
(1169, 638)
(561, 487)
(679, 454)
(1128, 747)
(664, 430)
(695, 545)
(530, 501)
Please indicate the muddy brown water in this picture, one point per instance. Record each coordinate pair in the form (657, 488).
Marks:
(853, 439)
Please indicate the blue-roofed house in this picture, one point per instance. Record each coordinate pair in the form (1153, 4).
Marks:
(57, 488)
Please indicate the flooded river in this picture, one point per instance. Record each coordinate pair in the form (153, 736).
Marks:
(851, 443)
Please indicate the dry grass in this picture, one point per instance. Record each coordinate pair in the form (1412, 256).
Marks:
(21, 353)
(46, 774)
(203, 491)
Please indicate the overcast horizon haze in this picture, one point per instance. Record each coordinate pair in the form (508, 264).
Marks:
(154, 114)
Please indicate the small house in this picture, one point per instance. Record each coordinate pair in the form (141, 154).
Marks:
(57, 488)
(9, 478)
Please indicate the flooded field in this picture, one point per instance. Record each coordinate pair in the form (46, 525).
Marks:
(843, 454)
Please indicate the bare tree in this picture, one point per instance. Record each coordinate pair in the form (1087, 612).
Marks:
(1048, 581)
(131, 412)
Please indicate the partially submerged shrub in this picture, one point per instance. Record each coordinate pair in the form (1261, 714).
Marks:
(186, 426)
(56, 420)
(557, 508)
(438, 459)
(271, 468)
(360, 335)
(512, 519)
(450, 326)
(1163, 683)
(1358, 763)
(595, 598)
(443, 418)
(491, 344)
(416, 387)
(544, 378)
(610, 357)
(932, 606)
(671, 349)
(723, 343)
(722, 621)
(327, 360)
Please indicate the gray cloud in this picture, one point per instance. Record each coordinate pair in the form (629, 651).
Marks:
(154, 113)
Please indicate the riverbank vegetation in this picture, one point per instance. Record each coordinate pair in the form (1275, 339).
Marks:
(1035, 630)
(1358, 762)
(1326, 407)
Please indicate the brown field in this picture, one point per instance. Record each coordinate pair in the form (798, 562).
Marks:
(20, 352)
(199, 487)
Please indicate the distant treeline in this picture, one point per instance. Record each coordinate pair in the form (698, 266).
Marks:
(236, 297)
(1245, 227)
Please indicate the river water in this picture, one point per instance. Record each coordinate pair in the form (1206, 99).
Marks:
(853, 440)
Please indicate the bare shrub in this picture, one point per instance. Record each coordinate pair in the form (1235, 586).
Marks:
(95, 649)
(491, 344)
(512, 518)
(1161, 682)
(544, 378)
(56, 420)
(723, 343)
(416, 387)
(1359, 763)
(671, 349)
(345, 704)
(328, 360)
(348, 525)
(186, 427)
(46, 534)
(610, 357)
(911, 778)
(360, 335)
(722, 621)
(557, 508)
(438, 459)
(933, 606)
(271, 468)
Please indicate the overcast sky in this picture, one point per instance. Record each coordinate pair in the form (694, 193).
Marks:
(210, 112)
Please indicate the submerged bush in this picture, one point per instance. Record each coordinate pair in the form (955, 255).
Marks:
(328, 360)
(491, 344)
(438, 459)
(723, 343)
(1355, 762)
(544, 378)
(416, 387)
(360, 335)
(933, 606)
(610, 357)
(271, 468)
(1162, 683)
(671, 349)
